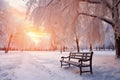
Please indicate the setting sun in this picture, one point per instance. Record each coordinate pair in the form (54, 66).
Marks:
(37, 36)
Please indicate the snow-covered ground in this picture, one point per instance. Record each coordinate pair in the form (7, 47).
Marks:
(38, 65)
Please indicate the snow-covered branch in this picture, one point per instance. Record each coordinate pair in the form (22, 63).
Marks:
(107, 4)
(101, 18)
(49, 3)
(52, 1)
(92, 1)
(104, 2)
(29, 6)
(117, 3)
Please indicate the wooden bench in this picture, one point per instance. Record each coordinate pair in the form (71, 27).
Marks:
(79, 59)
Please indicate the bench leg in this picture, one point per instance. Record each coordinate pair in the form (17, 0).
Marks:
(91, 70)
(61, 64)
(69, 64)
(80, 70)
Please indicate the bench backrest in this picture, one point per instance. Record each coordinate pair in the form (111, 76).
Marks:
(81, 55)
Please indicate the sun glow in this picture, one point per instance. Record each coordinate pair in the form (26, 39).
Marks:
(37, 36)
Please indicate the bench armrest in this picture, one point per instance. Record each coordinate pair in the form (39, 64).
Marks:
(62, 58)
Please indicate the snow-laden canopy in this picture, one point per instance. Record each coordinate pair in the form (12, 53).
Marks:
(63, 20)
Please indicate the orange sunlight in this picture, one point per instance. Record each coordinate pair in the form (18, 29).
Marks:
(17, 13)
(37, 35)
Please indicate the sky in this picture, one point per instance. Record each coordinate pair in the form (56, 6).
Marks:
(18, 9)
(18, 4)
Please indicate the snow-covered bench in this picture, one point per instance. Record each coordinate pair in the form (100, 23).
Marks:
(79, 59)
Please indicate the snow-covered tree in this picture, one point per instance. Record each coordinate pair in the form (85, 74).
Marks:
(92, 12)
(4, 20)
(6, 25)
(109, 13)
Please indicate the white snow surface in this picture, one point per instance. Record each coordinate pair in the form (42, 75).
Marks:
(43, 65)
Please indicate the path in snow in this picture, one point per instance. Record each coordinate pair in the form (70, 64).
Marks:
(32, 66)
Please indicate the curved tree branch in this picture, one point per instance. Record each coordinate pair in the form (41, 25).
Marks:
(29, 5)
(92, 1)
(117, 3)
(104, 2)
(107, 4)
(49, 3)
(101, 18)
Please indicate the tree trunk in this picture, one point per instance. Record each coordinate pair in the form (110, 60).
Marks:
(117, 46)
(77, 43)
(7, 49)
(90, 47)
(116, 27)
